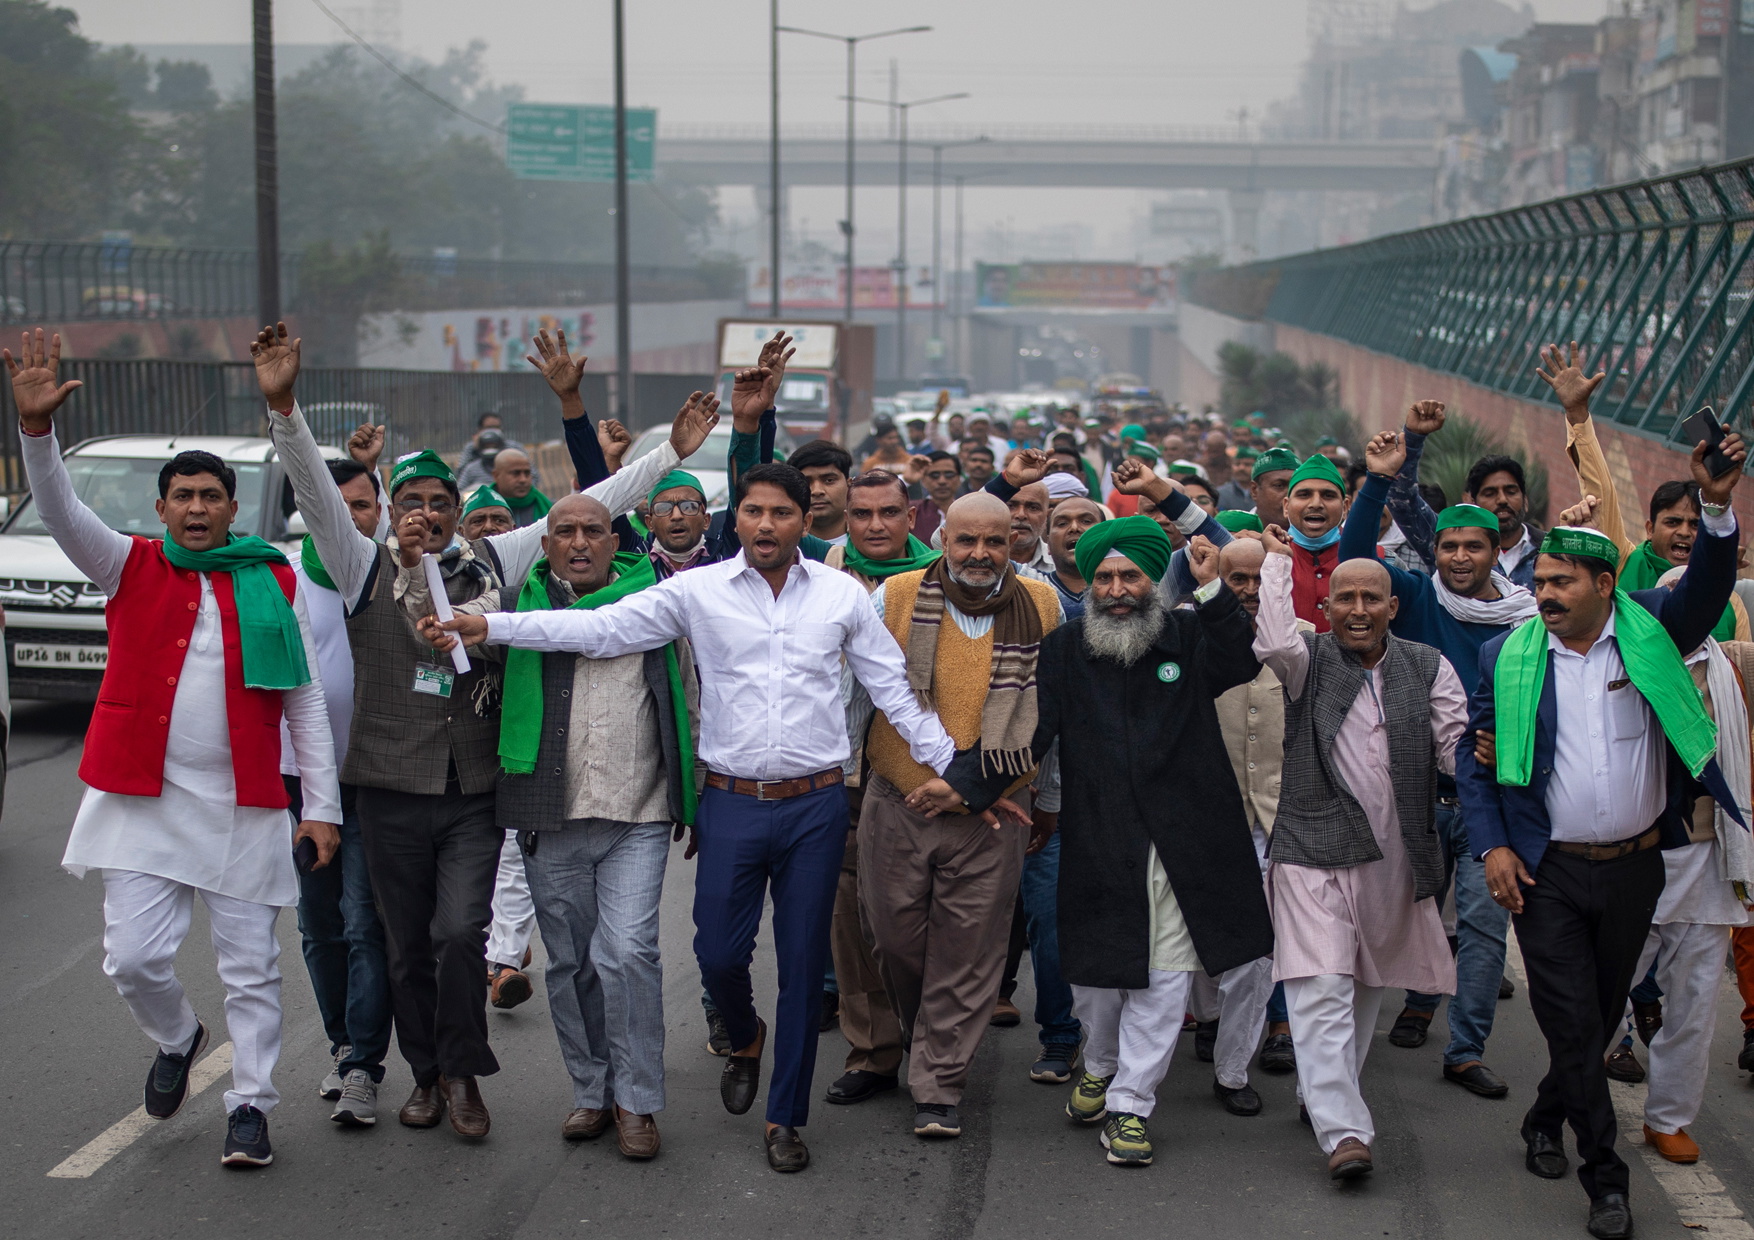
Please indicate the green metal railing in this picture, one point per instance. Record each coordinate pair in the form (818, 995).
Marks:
(1654, 278)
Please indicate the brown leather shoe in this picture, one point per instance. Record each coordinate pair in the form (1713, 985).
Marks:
(424, 1108)
(1350, 1159)
(468, 1112)
(1677, 1147)
(586, 1123)
(1005, 1015)
(507, 987)
(636, 1135)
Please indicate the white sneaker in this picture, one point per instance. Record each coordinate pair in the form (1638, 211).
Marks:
(331, 1088)
(358, 1107)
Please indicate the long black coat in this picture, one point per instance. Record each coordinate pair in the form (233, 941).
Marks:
(1142, 763)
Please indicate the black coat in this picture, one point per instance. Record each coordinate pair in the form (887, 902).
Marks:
(1142, 763)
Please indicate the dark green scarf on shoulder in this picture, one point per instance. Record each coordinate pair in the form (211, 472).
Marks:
(273, 648)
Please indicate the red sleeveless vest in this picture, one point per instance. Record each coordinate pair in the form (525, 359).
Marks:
(151, 619)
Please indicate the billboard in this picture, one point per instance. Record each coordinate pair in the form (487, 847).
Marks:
(814, 343)
(1074, 286)
(821, 285)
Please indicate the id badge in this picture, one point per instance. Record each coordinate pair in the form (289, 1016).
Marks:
(432, 679)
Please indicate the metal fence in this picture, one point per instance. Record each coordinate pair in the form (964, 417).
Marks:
(420, 408)
(55, 282)
(1653, 277)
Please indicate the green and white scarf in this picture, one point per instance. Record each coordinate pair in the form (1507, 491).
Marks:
(272, 646)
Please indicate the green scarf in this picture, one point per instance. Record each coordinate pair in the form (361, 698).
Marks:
(917, 555)
(541, 501)
(1651, 661)
(273, 648)
(520, 720)
(1644, 568)
(313, 566)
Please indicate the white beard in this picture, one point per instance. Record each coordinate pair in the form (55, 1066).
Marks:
(1123, 639)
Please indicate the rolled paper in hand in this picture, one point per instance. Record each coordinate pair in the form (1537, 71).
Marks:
(441, 606)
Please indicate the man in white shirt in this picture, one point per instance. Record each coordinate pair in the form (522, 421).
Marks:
(769, 630)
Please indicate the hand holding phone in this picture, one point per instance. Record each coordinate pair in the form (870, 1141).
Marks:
(304, 855)
(1704, 427)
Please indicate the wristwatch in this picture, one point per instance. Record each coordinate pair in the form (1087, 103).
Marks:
(1713, 510)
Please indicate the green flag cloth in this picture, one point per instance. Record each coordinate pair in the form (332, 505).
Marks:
(520, 719)
(917, 555)
(273, 648)
(1644, 567)
(1653, 664)
(313, 566)
(534, 499)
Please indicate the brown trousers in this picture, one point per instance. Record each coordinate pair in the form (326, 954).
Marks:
(936, 895)
(866, 1018)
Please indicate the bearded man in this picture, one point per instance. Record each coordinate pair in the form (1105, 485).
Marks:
(1153, 886)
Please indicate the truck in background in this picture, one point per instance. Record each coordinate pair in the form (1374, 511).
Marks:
(828, 383)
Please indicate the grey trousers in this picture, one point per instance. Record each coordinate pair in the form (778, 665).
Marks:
(596, 885)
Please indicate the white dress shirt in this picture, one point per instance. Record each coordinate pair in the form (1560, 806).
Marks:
(770, 667)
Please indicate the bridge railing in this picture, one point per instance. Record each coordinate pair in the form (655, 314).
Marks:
(1654, 278)
(59, 282)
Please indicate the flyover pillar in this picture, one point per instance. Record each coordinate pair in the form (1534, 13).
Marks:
(1245, 224)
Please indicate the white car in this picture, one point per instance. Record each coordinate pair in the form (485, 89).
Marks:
(708, 461)
(56, 643)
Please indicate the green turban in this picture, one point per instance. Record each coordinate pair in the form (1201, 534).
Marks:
(1144, 451)
(1273, 460)
(1471, 516)
(1236, 520)
(1318, 468)
(675, 478)
(1132, 430)
(423, 464)
(485, 497)
(1574, 540)
(1140, 539)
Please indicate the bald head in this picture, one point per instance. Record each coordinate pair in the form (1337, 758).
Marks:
(1361, 603)
(1371, 571)
(1239, 567)
(580, 543)
(977, 538)
(512, 474)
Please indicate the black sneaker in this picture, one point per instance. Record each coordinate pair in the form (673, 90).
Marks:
(1278, 1055)
(167, 1085)
(718, 1038)
(1205, 1040)
(246, 1139)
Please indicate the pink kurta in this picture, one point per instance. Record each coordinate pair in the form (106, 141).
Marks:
(1360, 921)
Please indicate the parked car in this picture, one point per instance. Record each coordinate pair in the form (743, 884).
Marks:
(56, 642)
(708, 461)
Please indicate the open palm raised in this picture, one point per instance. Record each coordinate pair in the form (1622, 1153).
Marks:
(36, 386)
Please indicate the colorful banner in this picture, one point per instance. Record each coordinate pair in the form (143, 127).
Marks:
(822, 286)
(1074, 286)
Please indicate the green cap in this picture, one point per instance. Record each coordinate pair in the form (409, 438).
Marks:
(1273, 460)
(423, 464)
(1467, 516)
(485, 497)
(1140, 539)
(1571, 540)
(1327, 441)
(1236, 520)
(1183, 469)
(1319, 468)
(1246, 453)
(1143, 450)
(675, 478)
(1132, 430)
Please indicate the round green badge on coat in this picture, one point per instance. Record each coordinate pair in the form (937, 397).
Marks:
(1169, 673)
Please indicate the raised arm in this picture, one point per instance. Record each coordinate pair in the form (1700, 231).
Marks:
(564, 372)
(1224, 642)
(95, 549)
(1565, 375)
(1406, 505)
(1693, 608)
(1278, 644)
(1364, 519)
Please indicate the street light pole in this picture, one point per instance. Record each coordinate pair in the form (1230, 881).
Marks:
(774, 155)
(623, 299)
(267, 166)
(938, 149)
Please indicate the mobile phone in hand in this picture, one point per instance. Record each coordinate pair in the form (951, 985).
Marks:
(304, 855)
(1704, 427)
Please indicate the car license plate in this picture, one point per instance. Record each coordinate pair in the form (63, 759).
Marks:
(35, 654)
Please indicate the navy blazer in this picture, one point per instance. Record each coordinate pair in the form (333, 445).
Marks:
(1497, 815)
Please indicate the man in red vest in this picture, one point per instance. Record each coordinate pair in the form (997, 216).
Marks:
(209, 649)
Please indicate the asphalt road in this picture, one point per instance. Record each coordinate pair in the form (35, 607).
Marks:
(1448, 1164)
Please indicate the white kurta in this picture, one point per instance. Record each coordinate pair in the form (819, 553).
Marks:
(194, 832)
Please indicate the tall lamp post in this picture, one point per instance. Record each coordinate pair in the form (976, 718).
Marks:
(938, 149)
(902, 109)
(267, 166)
(852, 42)
(623, 299)
(773, 156)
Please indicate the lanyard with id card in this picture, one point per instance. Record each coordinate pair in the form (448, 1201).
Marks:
(434, 679)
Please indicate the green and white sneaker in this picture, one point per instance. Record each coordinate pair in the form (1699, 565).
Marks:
(1089, 1101)
(1123, 1136)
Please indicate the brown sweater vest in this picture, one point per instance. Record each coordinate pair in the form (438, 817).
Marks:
(959, 680)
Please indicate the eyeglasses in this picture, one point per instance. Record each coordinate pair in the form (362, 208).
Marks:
(688, 507)
(437, 507)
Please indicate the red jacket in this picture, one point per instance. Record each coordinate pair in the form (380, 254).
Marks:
(1310, 572)
(151, 619)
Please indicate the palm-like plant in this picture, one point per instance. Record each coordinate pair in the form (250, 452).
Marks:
(1451, 453)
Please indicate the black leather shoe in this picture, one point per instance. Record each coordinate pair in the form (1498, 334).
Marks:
(830, 1012)
(1745, 1061)
(858, 1085)
(1241, 1101)
(1623, 1065)
(786, 1150)
(1647, 1018)
(1545, 1156)
(1410, 1029)
(1205, 1040)
(741, 1078)
(1610, 1217)
(1506, 988)
(1278, 1056)
(1477, 1078)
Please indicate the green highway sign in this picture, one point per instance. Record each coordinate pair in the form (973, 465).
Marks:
(576, 142)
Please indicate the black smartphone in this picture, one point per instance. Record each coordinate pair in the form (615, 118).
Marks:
(1703, 427)
(304, 855)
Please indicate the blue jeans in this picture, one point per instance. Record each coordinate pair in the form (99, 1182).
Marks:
(344, 949)
(1053, 997)
(1481, 925)
(596, 885)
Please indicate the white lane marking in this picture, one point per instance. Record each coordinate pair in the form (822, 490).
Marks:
(1698, 1196)
(130, 1128)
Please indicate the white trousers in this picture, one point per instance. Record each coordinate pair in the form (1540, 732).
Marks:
(1237, 1000)
(1690, 966)
(1130, 1035)
(514, 912)
(146, 919)
(1332, 1021)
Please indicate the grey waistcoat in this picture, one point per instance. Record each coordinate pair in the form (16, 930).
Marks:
(1320, 822)
(405, 741)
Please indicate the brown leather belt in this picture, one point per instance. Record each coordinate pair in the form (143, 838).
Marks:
(1609, 852)
(776, 789)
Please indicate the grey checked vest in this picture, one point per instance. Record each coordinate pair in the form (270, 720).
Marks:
(404, 741)
(1320, 822)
